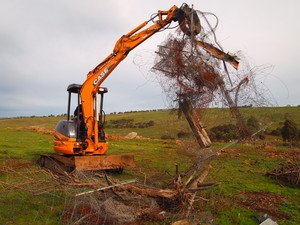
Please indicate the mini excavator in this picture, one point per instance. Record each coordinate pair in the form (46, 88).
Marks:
(81, 140)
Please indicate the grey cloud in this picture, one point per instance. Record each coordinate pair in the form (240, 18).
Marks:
(46, 45)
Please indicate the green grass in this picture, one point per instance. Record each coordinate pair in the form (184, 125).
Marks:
(48, 123)
(152, 157)
(19, 207)
(243, 170)
(167, 121)
(24, 144)
(240, 169)
(21, 148)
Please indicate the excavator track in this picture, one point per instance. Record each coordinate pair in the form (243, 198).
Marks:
(57, 163)
(64, 163)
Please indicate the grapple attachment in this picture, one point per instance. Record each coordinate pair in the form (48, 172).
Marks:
(189, 21)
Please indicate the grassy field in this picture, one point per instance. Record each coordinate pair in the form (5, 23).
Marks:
(166, 121)
(239, 170)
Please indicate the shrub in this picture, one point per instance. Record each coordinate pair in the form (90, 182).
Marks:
(276, 132)
(289, 131)
(151, 123)
(252, 124)
(183, 134)
(128, 123)
(166, 137)
(225, 133)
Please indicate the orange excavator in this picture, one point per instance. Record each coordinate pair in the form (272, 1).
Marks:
(81, 140)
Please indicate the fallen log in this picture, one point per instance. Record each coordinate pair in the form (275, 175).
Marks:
(193, 181)
(154, 193)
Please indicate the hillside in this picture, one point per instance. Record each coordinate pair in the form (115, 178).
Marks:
(166, 122)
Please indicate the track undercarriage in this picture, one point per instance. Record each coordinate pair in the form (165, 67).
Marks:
(67, 163)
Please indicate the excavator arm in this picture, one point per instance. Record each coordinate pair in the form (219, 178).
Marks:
(123, 46)
(84, 147)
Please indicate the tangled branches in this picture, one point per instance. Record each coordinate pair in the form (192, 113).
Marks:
(196, 68)
(288, 172)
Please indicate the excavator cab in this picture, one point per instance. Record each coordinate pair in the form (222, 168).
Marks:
(70, 134)
(73, 127)
(71, 141)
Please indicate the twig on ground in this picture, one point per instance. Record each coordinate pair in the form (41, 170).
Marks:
(104, 188)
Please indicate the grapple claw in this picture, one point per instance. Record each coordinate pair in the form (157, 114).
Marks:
(189, 21)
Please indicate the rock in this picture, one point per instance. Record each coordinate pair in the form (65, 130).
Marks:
(131, 135)
(184, 222)
(269, 221)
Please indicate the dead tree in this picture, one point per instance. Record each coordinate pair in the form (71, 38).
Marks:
(195, 124)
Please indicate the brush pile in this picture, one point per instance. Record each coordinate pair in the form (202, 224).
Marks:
(131, 202)
(288, 173)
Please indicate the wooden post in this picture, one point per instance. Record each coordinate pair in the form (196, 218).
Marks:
(191, 116)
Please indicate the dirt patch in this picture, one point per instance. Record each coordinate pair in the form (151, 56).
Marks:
(292, 154)
(41, 130)
(16, 163)
(264, 202)
(37, 129)
(269, 151)
(111, 137)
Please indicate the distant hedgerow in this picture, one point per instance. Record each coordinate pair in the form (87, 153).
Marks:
(128, 123)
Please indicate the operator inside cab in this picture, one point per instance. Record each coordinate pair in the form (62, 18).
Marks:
(78, 117)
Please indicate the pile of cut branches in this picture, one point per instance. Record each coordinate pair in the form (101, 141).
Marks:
(96, 198)
(288, 172)
(123, 202)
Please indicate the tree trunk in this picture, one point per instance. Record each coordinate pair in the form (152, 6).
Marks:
(198, 130)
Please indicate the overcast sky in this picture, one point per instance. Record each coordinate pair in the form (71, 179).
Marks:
(47, 45)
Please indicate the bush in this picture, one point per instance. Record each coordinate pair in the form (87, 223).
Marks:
(276, 132)
(183, 134)
(166, 137)
(225, 133)
(289, 131)
(261, 137)
(128, 123)
(252, 124)
(151, 123)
